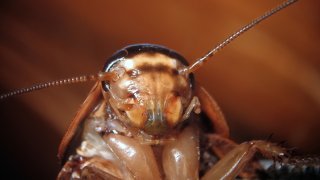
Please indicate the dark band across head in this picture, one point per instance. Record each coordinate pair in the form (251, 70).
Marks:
(135, 49)
(132, 50)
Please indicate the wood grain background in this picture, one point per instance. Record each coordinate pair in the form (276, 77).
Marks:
(268, 81)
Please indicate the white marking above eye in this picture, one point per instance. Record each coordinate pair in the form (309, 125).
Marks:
(129, 64)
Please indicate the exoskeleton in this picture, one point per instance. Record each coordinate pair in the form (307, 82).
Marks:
(146, 118)
(143, 122)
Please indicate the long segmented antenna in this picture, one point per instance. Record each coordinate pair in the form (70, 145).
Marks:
(203, 59)
(102, 76)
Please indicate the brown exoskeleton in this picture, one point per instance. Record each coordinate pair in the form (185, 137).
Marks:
(142, 120)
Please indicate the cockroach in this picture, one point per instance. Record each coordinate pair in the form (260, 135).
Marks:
(145, 118)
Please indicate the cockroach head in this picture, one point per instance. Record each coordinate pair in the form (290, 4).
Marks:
(150, 92)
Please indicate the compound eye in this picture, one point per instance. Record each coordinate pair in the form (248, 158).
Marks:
(137, 115)
(173, 110)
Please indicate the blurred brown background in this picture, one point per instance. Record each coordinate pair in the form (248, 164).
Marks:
(268, 81)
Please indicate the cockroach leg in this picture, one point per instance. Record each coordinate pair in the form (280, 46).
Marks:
(99, 168)
(220, 145)
(70, 169)
(93, 168)
(139, 159)
(180, 158)
(193, 106)
(234, 162)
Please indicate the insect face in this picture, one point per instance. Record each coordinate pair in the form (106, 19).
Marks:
(149, 93)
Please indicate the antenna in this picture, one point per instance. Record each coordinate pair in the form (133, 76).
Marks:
(101, 76)
(107, 76)
(245, 28)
